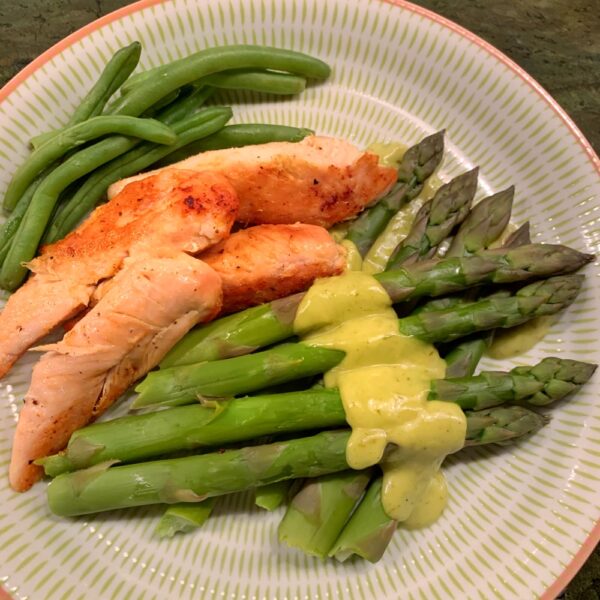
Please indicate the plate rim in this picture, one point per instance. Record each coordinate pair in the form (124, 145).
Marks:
(593, 538)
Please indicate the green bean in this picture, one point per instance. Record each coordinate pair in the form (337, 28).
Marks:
(42, 138)
(77, 135)
(137, 78)
(162, 103)
(257, 81)
(184, 105)
(184, 71)
(91, 192)
(35, 220)
(10, 226)
(155, 108)
(235, 136)
(116, 71)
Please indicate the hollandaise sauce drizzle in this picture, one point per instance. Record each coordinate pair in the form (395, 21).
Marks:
(383, 381)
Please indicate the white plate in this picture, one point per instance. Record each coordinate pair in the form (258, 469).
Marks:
(521, 520)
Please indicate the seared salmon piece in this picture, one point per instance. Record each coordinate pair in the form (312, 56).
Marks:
(151, 305)
(320, 180)
(266, 262)
(162, 215)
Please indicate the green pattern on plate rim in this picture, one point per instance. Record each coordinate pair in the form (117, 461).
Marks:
(517, 515)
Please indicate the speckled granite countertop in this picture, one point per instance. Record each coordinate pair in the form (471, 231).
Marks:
(556, 41)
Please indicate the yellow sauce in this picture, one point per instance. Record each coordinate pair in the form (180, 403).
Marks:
(353, 258)
(390, 153)
(517, 340)
(383, 381)
(397, 229)
(431, 506)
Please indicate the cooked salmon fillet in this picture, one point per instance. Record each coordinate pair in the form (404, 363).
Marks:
(151, 305)
(266, 262)
(163, 215)
(320, 180)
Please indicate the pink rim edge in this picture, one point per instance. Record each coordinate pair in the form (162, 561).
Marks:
(594, 537)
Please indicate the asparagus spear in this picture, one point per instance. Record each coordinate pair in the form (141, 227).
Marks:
(270, 323)
(234, 376)
(194, 478)
(537, 299)
(437, 219)
(498, 266)
(236, 334)
(184, 517)
(462, 359)
(483, 224)
(139, 437)
(519, 237)
(369, 530)
(548, 381)
(244, 374)
(320, 509)
(418, 163)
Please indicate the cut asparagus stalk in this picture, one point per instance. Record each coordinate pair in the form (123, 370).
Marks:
(272, 495)
(369, 531)
(319, 511)
(184, 517)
